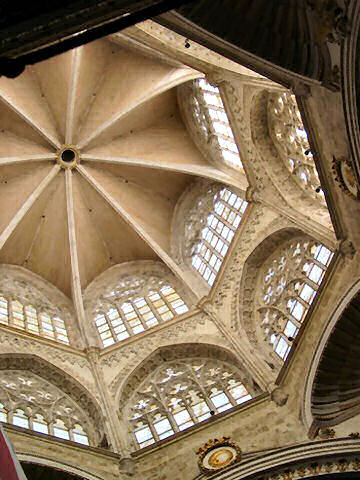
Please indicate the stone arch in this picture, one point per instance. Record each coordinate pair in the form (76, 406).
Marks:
(332, 393)
(29, 288)
(132, 297)
(65, 467)
(283, 180)
(66, 383)
(249, 288)
(191, 218)
(178, 352)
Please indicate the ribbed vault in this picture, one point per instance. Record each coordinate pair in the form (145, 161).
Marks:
(93, 158)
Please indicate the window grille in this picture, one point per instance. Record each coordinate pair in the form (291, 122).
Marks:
(290, 136)
(28, 401)
(181, 394)
(26, 317)
(210, 113)
(289, 285)
(136, 311)
(215, 238)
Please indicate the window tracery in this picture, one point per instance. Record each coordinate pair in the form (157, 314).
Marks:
(180, 394)
(210, 228)
(288, 133)
(289, 283)
(28, 401)
(134, 304)
(37, 321)
(209, 113)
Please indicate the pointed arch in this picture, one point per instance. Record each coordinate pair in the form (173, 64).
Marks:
(277, 288)
(88, 408)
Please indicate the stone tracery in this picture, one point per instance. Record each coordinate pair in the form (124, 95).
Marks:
(289, 135)
(289, 281)
(210, 227)
(180, 394)
(31, 402)
(143, 297)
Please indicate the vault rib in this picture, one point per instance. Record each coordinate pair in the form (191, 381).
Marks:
(27, 205)
(76, 56)
(27, 158)
(160, 252)
(171, 80)
(29, 120)
(74, 260)
(189, 169)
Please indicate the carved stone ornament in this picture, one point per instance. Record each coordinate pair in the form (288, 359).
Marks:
(217, 454)
(345, 177)
(326, 433)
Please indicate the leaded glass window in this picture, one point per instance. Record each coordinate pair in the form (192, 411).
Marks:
(289, 284)
(28, 401)
(223, 216)
(26, 317)
(289, 134)
(129, 311)
(181, 394)
(211, 115)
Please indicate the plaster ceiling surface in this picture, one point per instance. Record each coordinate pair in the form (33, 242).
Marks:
(115, 112)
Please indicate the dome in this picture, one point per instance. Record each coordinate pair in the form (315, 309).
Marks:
(94, 157)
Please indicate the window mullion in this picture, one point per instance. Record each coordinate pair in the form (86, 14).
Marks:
(153, 309)
(124, 319)
(168, 304)
(139, 315)
(111, 327)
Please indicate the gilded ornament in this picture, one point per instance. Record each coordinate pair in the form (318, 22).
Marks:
(217, 454)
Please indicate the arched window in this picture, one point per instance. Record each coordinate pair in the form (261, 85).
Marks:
(210, 229)
(289, 283)
(289, 135)
(211, 116)
(180, 394)
(33, 320)
(28, 401)
(134, 304)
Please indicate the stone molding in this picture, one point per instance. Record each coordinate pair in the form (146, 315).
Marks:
(297, 461)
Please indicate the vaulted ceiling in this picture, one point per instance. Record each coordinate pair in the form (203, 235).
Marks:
(128, 158)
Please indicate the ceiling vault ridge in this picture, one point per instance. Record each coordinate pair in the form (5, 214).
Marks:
(121, 211)
(76, 58)
(75, 271)
(205, 171)
(29, 202)
(173, 79)
(9, 102)
(27, 158)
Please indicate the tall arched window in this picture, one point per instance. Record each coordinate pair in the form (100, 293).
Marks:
(134, 304)
(180, 394)
(28, 401)
(289, 282)
(212, 118)
(289, 135)
(210, 229)
(14, 313)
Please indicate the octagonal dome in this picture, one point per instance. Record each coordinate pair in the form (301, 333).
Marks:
(93, 159)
